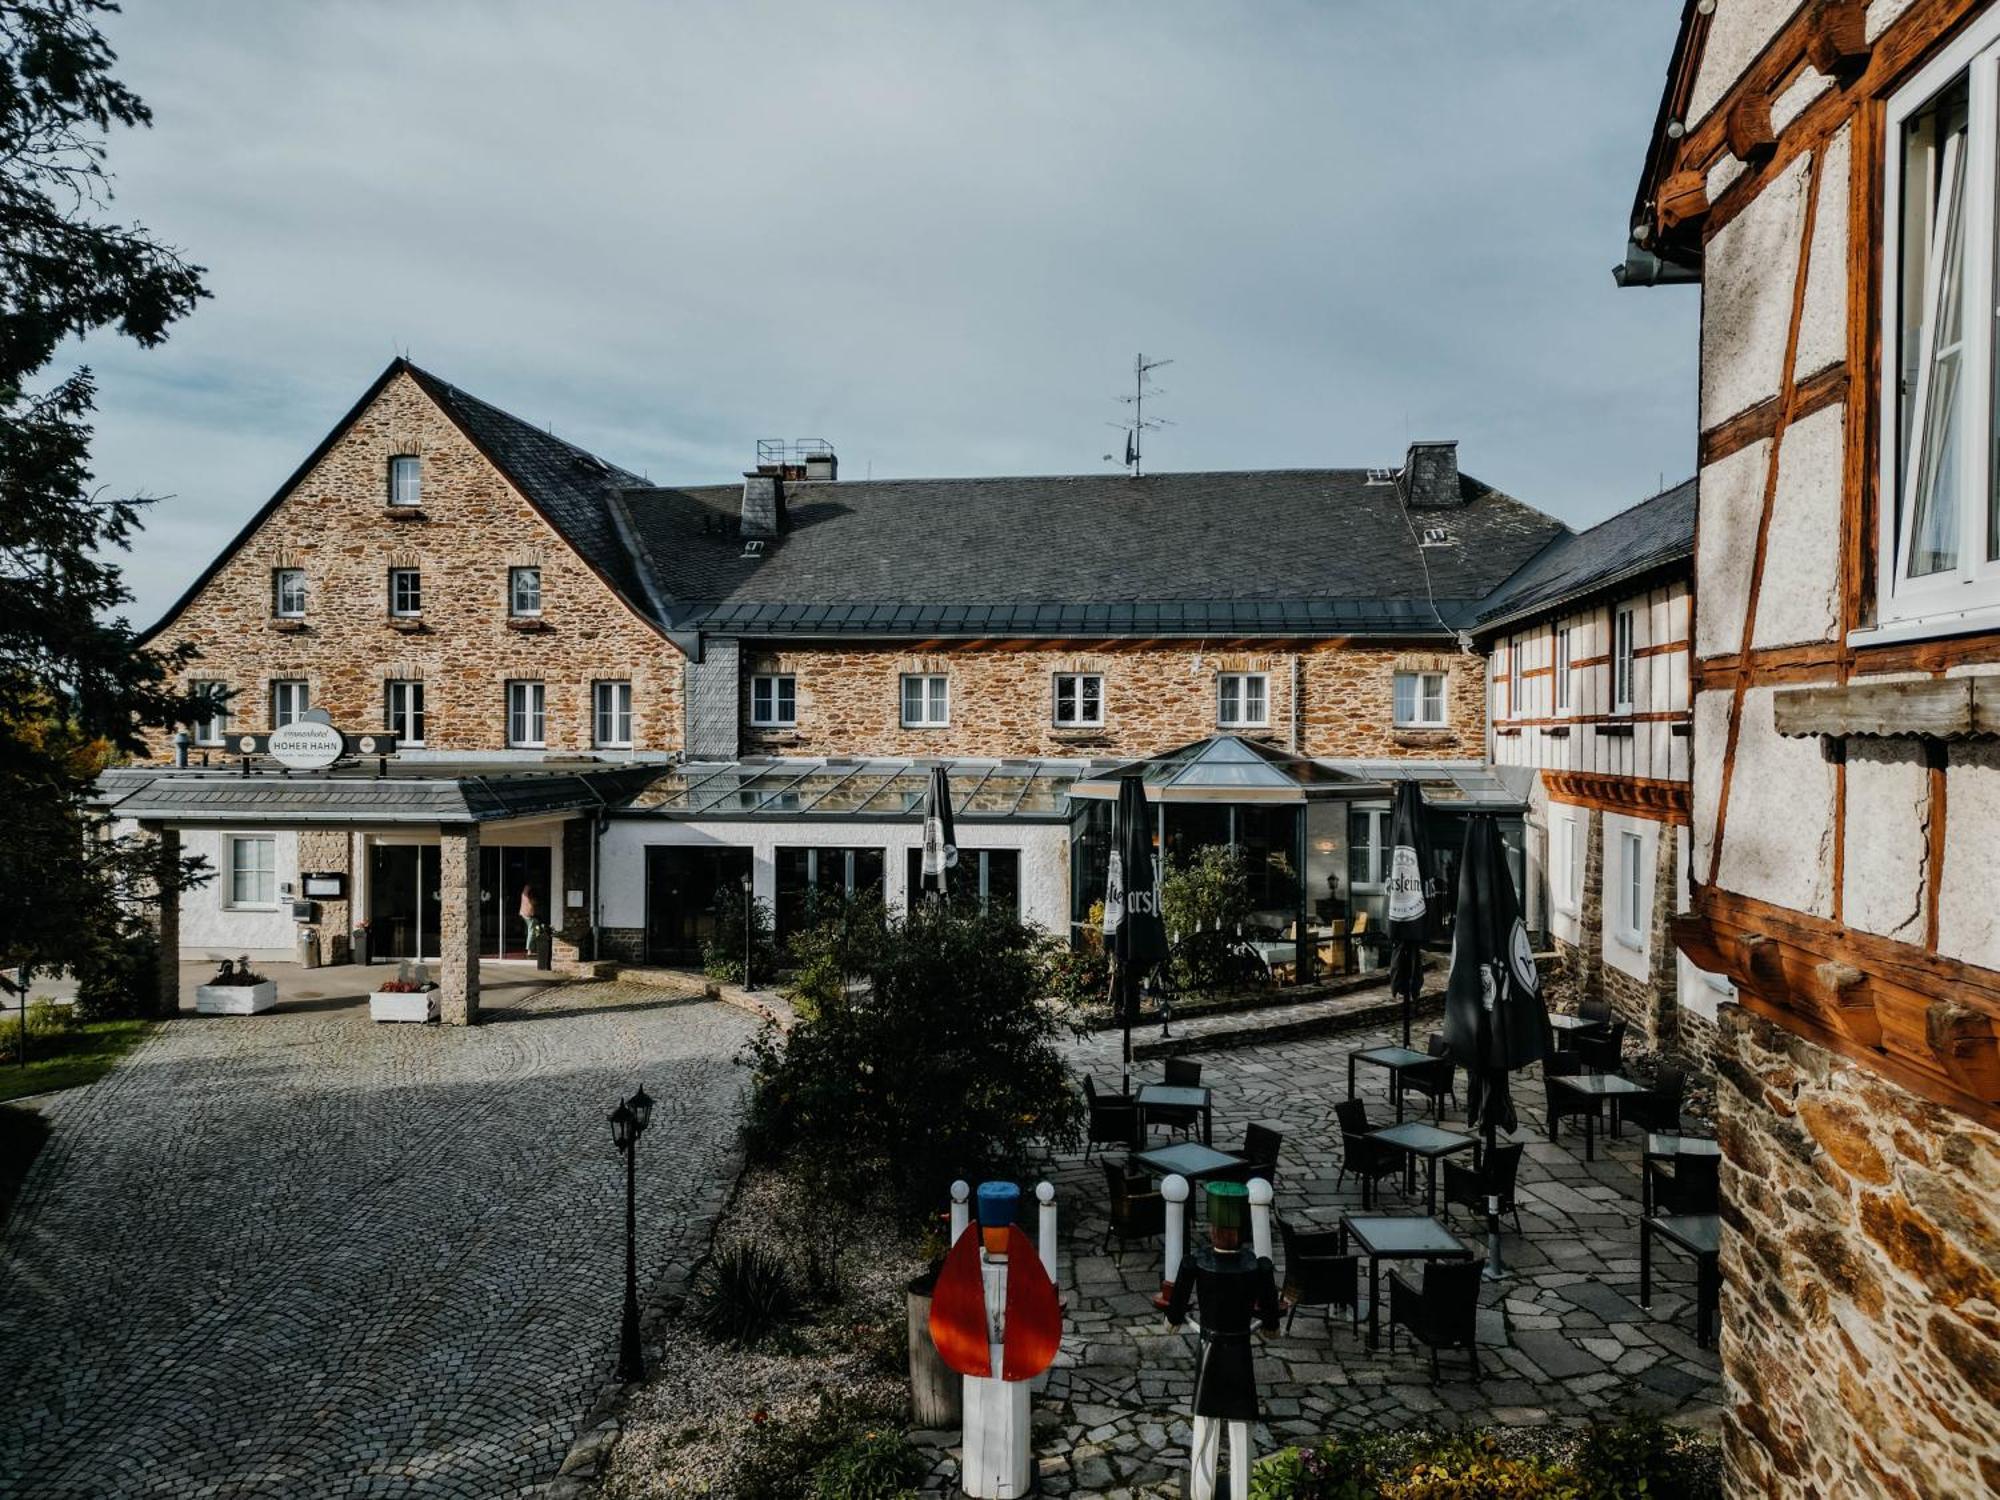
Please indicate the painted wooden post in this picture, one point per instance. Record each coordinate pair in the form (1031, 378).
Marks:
(1045, 1194)
(1260, 1217)
(1175, 1190)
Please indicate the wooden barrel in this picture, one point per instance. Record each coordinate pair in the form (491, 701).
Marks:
(935, 1388)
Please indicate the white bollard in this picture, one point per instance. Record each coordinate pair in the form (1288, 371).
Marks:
(1175, 1190)
(961, 1213)
(1260, 1217)
(1045, 1194)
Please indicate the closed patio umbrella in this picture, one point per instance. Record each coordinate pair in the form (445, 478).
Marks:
(1135, 930)
(1494, 1019)
(940, 839)
(1413, 898)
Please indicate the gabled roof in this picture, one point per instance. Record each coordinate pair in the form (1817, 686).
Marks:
(1654, 534)
(1269, 552)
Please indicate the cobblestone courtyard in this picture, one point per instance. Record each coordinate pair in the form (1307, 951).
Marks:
(302, 1255)
(1562, 1338)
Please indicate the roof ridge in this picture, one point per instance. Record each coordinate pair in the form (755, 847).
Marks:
(442, 387)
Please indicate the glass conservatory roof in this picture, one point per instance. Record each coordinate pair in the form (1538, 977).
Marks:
(1225, 768)
(982, 790)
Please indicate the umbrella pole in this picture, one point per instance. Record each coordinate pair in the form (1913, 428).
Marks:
(1495, 1270)
(1121, 989)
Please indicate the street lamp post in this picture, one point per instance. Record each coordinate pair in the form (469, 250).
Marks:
(749, 929)
(628, 1123)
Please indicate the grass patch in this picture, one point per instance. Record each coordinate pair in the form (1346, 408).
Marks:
(70, 1058)
(22, 1132)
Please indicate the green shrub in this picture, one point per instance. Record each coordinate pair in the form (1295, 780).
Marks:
(1337, 1468)
(744, 1297)
(784, 1457)
(845, 940)
(871, 1466)
(722, 954)
(1079, 979)
(1473, 1468)
(1637, 1458)
(945, 1065)
(1642, 1458)
(118, 972)
(50, 1026)
(1206, 899)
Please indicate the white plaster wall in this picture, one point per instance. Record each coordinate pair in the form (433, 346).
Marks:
(1746, 304)
(211, 928)
(1737, 32)
(1725, 171)
(1796, 96)
(1633, 959)
(1888, 831)
(1565, 915)
(1823, 314)
(1799, 597)
(1969, 893)
(1732, 499)
(1698, 990)
(1778, 840)
(1044, 858)
(1883, 14)
(1711, 735)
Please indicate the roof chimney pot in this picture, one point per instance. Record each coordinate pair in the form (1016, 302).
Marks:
(1430, 474)
(763, 502)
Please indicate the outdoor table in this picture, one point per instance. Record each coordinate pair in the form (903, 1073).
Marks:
(1383, 1237)
(1565, 1026)
(1414, 1140)
(1701, 1236)
(1597, 1087)
(1179, 1096)
(1190, 1161)
(1395, 1059)
(1662, 1145)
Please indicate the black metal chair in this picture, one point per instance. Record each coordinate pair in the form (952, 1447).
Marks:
(1180, 1073)
(1443, 1312)
(1114, 1119)
(1603, 1050)
(1694, 1186)
(1659, 1108)
(1137, 1210)
(1594, 1010)
(1365, 1158)
(1469, 1186)
(1560, 1102)
(1317, 1274)
(1436, 1080)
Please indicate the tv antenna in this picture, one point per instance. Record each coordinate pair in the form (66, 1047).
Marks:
(1135, 430)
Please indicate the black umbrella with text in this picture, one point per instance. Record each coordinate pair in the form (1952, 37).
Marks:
(1414, 898)
(940, 839)
(1135, 929)
(1494, 1020)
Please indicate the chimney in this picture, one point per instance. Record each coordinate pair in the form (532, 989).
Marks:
(763, 501)
(822, 466)
(1430, 474)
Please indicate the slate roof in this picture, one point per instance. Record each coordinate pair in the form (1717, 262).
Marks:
(417, 792)
(1653, 534)
(1254, 552)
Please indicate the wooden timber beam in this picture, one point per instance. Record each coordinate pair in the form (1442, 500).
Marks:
(1748, 130)
(1836, 37)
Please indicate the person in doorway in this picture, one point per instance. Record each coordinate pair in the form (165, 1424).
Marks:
(531, 916)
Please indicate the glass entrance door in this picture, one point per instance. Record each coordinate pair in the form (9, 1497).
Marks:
(506, 872)
(403, 905)
(682, 885)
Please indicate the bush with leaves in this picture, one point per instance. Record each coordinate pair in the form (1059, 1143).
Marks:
(722, 954)
(873, 1465)
(944, 1064)
(49, 1025)
(1642, 1458)
(840, 946)
(1206, 900)
(785, 1456)
(744, 1297)
(1636, 1457)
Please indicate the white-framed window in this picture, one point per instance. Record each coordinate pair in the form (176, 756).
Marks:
(1938, 547)
(1566, 861)
(213, 725)
(1622, 621)
(1419, 700)
(406, 592)
(403, 710)
(406, 480)
(288, 593)
(1632, 890)
(1242, 699)
(774, 700)
(290, 698)
(611, 715)
(1079, 700)
(1562, 670)
(926, 701)
(253, 871)
(524, 591)
(527, 715)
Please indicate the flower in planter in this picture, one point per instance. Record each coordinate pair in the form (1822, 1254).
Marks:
(404, 987)
(236, 972)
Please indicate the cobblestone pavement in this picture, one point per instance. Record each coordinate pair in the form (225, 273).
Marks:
(1562, 1338)
(302, 1255)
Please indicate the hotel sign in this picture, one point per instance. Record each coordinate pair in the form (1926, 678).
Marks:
(311, 745)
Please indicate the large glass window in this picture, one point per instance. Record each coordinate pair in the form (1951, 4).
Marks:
(612, 719)
(991, 877)
(1079, 700)
(926, 701)
(774, 701)
(1420, 700)
(253, 870)
(1242, 699)
(527, 704)
(811, 882)
(403, 710)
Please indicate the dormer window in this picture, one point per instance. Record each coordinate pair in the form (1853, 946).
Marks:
(288, 593)
(524, 592)
(406, 480)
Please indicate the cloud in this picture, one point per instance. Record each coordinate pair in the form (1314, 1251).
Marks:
(935, 234)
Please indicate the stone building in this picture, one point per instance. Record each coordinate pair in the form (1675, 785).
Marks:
(1827, 172)
(502, 631)
(1587, 667)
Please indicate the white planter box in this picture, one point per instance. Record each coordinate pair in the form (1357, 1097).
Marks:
(235, 999)
(404, 1005)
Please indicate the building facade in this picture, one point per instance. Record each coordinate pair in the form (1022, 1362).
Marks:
(1827, 172)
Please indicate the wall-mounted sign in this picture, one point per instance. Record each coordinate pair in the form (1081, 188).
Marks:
(324, 885)
(306, 746)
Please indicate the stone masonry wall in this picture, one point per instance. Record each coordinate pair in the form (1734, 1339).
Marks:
(1156, 696)
(1860, 1278)
(473, 527)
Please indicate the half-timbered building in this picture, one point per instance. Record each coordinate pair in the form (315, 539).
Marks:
(1828, 171)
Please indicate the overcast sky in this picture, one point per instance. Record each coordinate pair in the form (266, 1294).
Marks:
(935, 234)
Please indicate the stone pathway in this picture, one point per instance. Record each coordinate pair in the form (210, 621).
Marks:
(302, 1255)
(1562, 1338)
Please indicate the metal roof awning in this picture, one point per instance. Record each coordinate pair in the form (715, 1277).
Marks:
(409, 794)
(982, 790)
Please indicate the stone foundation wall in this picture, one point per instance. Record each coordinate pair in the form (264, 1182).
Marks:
(625, 945)
(1860, 1278)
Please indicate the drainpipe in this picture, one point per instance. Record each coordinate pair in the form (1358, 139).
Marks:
(1298, 679)
(598, 824)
